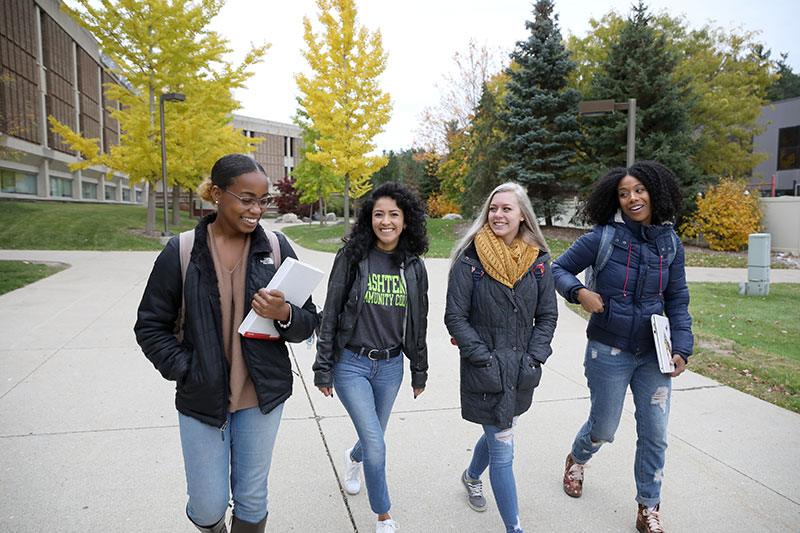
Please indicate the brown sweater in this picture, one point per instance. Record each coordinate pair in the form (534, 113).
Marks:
(232, 302)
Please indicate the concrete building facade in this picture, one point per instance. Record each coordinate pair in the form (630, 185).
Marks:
(780, 140)
(50, 65)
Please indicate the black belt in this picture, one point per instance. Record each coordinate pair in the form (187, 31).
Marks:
(377, 354)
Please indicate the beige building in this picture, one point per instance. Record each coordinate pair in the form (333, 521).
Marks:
(52, 66)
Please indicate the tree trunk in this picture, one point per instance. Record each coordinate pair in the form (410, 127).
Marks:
(347, 205)
(321, 213)
(176, 205)
(151, 208)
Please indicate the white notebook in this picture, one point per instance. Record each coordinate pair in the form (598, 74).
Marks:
(295, 280)
(663, 339)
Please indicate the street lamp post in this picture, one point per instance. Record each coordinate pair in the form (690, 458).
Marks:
(169, 97)
(595, 108)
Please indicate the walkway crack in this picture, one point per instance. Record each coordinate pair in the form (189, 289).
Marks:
(317, 419)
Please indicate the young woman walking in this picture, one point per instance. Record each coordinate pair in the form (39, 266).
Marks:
(501, 311)
(230, 390)
(644, 275)
(376, 309)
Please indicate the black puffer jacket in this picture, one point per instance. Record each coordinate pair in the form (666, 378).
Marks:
(342, 309)
(503, 336)
(198, 364)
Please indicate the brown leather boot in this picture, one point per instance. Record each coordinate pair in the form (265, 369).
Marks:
(240, 526)
(648, 521)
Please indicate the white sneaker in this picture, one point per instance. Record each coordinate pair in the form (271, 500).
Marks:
(352, 475)
(387, 526)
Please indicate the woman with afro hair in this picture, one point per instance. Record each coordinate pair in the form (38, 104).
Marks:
(644, 276)
(376, 309)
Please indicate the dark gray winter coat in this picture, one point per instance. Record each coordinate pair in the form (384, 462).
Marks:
(503, 336)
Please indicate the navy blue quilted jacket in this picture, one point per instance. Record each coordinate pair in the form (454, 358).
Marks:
(635, 284)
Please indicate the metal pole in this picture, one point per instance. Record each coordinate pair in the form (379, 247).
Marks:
(164, 166)
(631, 131)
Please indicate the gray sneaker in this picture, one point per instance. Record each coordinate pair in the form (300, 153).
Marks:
(474, 488)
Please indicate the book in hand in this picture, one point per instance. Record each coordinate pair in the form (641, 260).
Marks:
(295, 280)
(663, 339)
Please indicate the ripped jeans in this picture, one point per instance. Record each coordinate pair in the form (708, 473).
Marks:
(609, 371)
(495, 449)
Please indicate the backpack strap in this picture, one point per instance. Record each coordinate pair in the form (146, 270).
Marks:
(604, 251)
(672, 253)
(186, 242)
(275, 246)
(477, 274)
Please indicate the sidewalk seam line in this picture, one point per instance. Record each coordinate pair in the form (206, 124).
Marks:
(324, 441)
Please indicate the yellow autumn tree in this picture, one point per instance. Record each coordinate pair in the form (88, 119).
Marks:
(342, 96)
(726, 214)
(160, 46)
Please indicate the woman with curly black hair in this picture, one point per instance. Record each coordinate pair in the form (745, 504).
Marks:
(376, 309)
(638, 271)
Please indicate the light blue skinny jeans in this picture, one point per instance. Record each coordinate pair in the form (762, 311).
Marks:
(367, 389)
(234, 460)
(495, 449)
(609, 371)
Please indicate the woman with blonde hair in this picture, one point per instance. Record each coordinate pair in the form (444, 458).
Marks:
(501, 311)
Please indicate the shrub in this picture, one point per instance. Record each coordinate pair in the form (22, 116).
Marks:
(288, 199)
(438, 206)
(725, 216)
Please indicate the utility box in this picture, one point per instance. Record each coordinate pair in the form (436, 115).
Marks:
(758, 261)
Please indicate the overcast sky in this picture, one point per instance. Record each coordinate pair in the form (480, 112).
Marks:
(421, 37)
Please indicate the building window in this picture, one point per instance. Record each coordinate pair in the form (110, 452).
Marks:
(126, 195)
(17, 182)
(111, 192)
(789, 148)
(89, 191)
(61, 187)
(138, 196)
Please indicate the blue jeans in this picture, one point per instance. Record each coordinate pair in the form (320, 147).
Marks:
(367, 390)
(238, 457)
(495, 449)
(609, 371)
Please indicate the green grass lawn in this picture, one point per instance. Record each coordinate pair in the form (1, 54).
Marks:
(78, 226)
(442, 235)
(16, 274)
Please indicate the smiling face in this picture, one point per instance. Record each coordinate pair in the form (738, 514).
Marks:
(634, 200)
(505, 216)
(233, 216)
(388, 223)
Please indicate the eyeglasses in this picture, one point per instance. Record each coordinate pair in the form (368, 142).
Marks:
(262, 202)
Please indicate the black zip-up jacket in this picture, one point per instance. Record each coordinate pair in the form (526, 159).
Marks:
(198, 364)
(342, 308)
(503, 336)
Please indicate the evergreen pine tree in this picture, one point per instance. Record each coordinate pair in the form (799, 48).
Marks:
(486, 157)
(640, 65)
(787, 85)
(540, 120)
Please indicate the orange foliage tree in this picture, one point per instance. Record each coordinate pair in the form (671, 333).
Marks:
(726, 214)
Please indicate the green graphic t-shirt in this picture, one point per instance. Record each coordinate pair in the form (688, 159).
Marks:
(380, 324)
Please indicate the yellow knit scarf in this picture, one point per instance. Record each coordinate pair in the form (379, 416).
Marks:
(506, 264)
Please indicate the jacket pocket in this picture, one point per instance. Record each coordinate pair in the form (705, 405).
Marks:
(620, 315)
(530, 373)
(483, 378)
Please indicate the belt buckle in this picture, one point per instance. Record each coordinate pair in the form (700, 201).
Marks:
(369, 354)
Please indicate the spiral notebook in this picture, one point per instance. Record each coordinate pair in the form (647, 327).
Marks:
(663, 339)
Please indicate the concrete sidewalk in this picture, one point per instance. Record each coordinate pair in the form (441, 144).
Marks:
(89, 439)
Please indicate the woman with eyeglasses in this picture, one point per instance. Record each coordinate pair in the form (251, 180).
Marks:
(230, 390)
